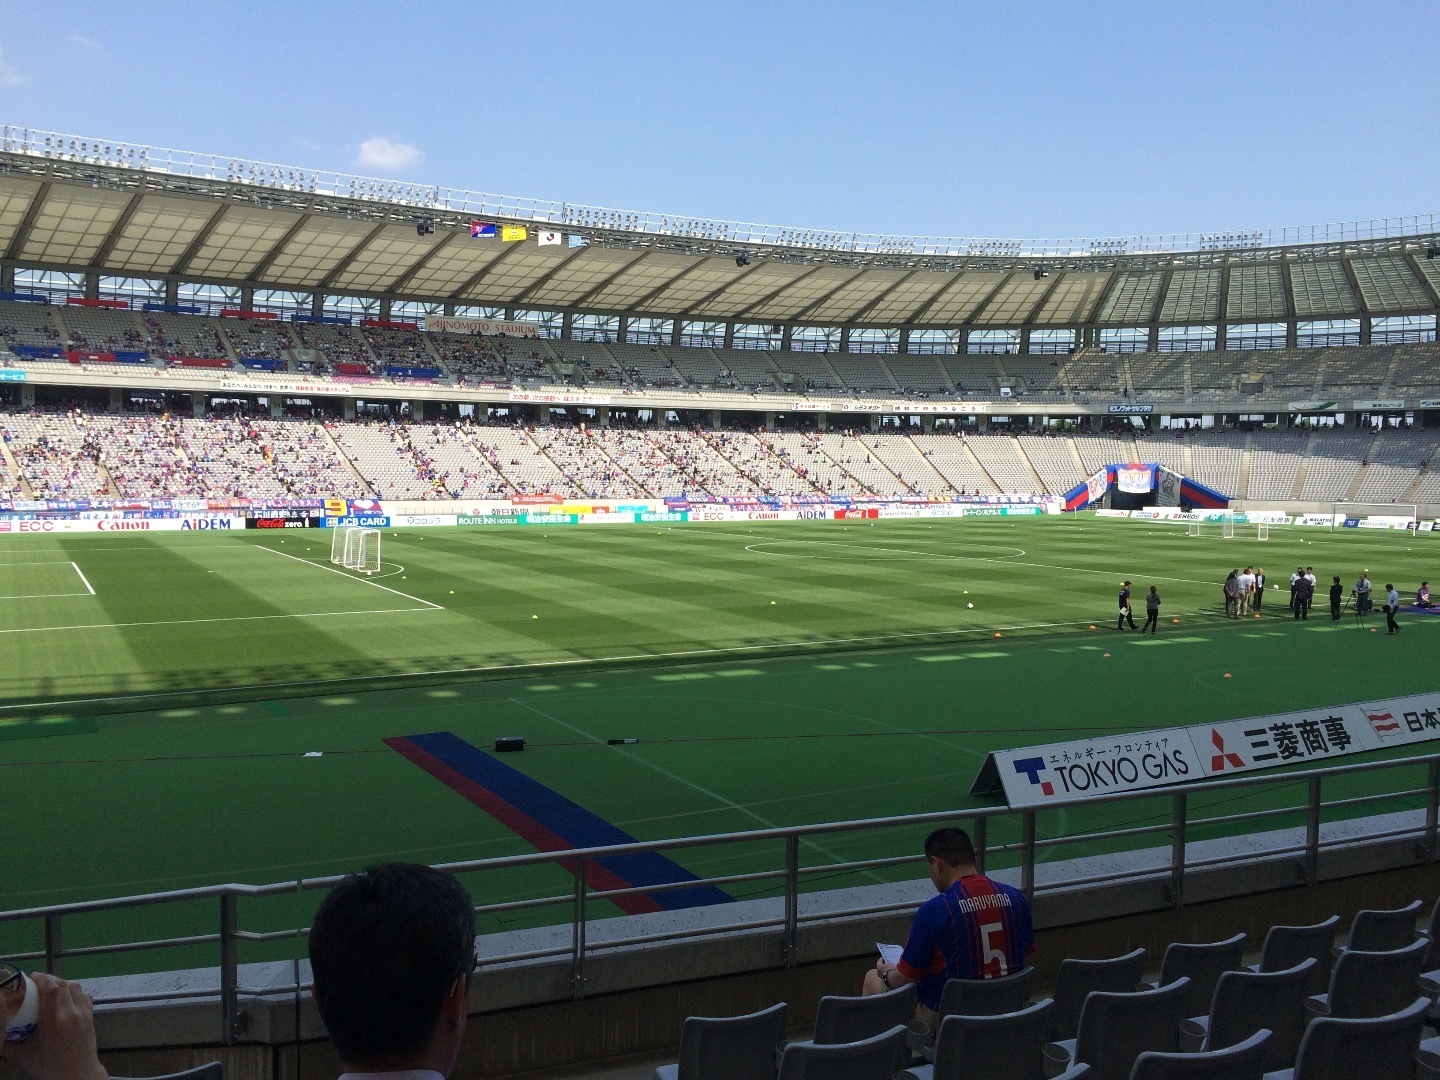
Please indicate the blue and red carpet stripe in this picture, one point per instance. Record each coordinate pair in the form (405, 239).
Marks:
(551, 822)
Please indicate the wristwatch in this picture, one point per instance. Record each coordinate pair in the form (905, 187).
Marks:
(885, 978)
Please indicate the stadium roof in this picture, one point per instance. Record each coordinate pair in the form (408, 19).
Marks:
(82, 204)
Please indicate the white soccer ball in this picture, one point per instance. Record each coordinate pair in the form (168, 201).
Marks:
(969, 605)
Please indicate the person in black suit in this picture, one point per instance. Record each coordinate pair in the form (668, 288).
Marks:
(1125, 609)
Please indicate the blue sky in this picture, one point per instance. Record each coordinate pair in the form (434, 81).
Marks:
(1026, 119)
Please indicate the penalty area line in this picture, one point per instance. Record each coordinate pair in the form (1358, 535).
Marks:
(84, 580)
(191, 622)
(350, 577)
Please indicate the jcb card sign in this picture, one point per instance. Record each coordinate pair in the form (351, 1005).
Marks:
(1058, 773)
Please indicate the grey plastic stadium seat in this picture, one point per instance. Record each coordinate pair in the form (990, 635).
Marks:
(1427, 1061)
(1286, 946)
(1005, 1047)
(875, 1058)
(1432, 932)
(1371, 983)
(1076, 979)
(1245, 1002)
(1116, 1028)
(729, 1047)
(1243, 1061)
(987, 997)
(1375, 1048)
(1381, 930)
(850, 1019)
(212, 1071)
(1202, 965)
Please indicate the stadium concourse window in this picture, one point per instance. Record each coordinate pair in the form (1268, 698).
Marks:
(1327, 332)
(595, 328)
(137, 292)
(1052, 342)
(1125, 339)
(706, 335)
(874, 340)
(353, 308)
(821, 339)
(993, 342)
(1186, 338)
(210, 299)
(1255, 336)
(55, 284)
(414, 311)
(655, 332)
(1402, 329)
(282, 302)
(934, 343)
(550, 324)
(756, 336)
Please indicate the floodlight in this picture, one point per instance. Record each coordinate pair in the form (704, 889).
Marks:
(741, 259)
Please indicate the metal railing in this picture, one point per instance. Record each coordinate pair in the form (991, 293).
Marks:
(113, 153)
(791, 874)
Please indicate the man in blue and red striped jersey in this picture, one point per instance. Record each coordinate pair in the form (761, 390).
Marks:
(975, 929)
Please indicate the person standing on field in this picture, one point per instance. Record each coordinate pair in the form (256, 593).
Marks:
(1152, 611)
(1247, 589)
(1259, 589)
(1125, 609)
(1392, 605)
(1304, 593)
(1232, 595)
(1337, 591)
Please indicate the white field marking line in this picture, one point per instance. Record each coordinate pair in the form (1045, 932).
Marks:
(481, 669)
(85, 581)
(351, 577)
(39, 562)
(688, 783)
(961, 558)
(42, 595)
(191, 622)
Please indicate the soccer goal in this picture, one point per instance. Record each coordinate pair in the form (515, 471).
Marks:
(1381, 514)
(356, 548)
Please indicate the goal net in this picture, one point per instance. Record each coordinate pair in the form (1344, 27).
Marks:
(356, 548)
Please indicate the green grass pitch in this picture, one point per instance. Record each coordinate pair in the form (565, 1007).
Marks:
(160, 692)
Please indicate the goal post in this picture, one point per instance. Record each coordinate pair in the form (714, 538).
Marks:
(356, 548)
(1394, 514)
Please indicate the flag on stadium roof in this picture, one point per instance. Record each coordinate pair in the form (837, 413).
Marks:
(576, 240)
(482, 230)
(549, 236)
(513, 232)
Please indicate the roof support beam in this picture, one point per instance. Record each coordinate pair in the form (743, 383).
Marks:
(1222, 306)
(525, 293)
(581, 300)
(919, 313)
(27, 223)
(280, 245)
(350, 256)
(856, 316)
(102, 255)
(744, 273)
(423, 261)
(636, 307)
(773, 293)
(188, 256)
(1413, 260)
(1039, 305)
(479, 275)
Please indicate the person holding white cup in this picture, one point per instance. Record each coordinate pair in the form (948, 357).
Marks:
(49, 1027)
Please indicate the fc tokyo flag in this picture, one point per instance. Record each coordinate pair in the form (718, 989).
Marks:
(482, 230)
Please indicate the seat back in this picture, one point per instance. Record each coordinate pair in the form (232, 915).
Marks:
(850, 1019)
(1115, 1029)
(876, 1058)
(987, 997)
(1432, 958)
(1286, 946)
(1243, 1061)
(1246, 1001)
(1383, 930)
(1368, 984)
(732, 1047)
(1008, 1046)
(1377, 1048)
(212, 1071)
(1077, 979)
(1202, 965)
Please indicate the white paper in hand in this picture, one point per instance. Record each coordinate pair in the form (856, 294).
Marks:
(890, 953)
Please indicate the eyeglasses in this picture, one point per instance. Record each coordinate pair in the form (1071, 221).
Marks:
(10, 976)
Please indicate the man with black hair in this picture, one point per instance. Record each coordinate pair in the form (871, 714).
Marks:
(1392, 605)
(975, 928)
(391, 955)
(1125, 608)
